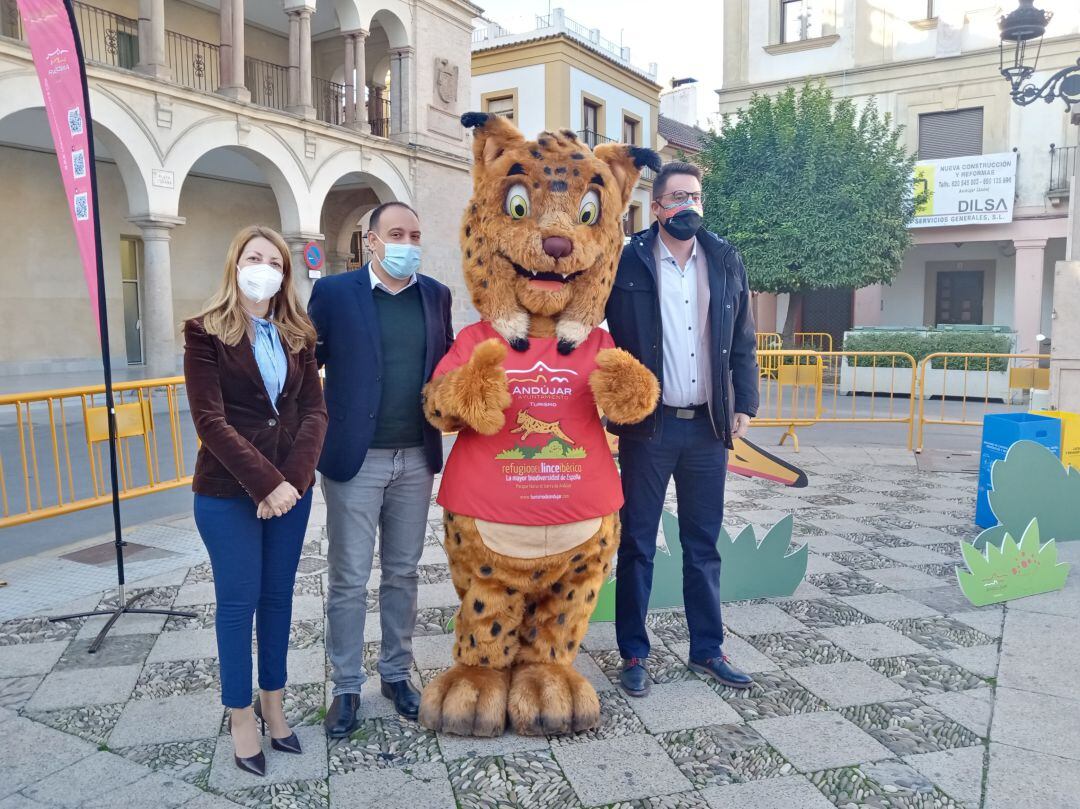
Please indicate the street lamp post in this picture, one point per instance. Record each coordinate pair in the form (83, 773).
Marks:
(1022, 32)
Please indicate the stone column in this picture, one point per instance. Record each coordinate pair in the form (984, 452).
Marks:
(1065, 334)
(765, 315)
(400, 95)
(301, 283)
(868, 306)
(158, 318)
(350, 82)
(362, 117)
(232, 51)
(300, 61)
(152, 59)
(1027, 293)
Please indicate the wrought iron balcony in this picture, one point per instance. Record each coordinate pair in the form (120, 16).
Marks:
(1062, 167)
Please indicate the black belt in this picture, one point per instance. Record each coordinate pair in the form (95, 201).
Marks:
(691, 412)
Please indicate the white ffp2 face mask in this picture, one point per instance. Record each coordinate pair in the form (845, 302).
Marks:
(259, 282)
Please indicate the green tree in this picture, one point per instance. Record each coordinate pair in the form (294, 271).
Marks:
(814, 192)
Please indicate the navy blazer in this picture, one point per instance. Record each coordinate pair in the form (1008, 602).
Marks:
(343, 310)
(633, 318)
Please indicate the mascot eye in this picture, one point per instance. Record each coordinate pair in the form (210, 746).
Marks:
(517, 201)
(589, 212)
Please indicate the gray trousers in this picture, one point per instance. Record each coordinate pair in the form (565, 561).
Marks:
(391, 493)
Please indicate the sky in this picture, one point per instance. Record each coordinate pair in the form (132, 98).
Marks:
(684, 39)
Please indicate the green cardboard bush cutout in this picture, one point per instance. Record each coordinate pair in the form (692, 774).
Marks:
(1011, 571)
(749, 569)
(1032, 484)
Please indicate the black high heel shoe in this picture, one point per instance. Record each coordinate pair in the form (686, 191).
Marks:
(256, 764)
(290, 744)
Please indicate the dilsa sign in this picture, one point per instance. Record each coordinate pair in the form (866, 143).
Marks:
(975, 190)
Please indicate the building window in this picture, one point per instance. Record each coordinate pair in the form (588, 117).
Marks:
(630, 131)
(959, 297)
(590, 120)
(957, 133)
(503, 105)
(799, 20)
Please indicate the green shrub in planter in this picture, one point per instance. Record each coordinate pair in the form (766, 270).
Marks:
(920, 344)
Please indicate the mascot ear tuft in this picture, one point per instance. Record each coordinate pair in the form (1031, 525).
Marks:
(471, 120)
(645, 157)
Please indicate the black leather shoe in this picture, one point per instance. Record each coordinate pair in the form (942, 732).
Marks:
(290, 744)
(721, 670)
(256, 764)
(634, 679)
(405, 696)
(341, 719)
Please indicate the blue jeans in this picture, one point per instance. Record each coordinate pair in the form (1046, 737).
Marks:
(391, 496)
(689, 451)
(254, 564)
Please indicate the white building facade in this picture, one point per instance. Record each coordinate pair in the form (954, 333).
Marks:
(934, 66)
(210, 116)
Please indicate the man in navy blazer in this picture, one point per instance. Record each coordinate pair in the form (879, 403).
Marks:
(382, 330)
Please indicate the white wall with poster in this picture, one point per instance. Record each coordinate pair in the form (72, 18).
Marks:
(973, 190)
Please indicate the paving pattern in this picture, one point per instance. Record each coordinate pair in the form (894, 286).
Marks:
(875, 684)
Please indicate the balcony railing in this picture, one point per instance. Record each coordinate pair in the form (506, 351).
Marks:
(329, 100)
(193, 62)
(379, 117)
(1062, 168)
(268, 83)
(107, 38)
(592, 139)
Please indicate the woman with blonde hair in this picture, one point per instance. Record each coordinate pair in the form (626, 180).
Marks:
(257, 403)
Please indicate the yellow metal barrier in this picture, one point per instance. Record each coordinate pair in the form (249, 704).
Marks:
(54, 428)
(966, 385)
(814, 341)
(823, 387)
(768, 341)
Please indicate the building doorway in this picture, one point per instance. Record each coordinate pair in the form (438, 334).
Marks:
(828, 311)
(959, 297)
(131, 282)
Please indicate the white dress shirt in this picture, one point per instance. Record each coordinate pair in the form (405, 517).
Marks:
(377, 284)
(686, 366)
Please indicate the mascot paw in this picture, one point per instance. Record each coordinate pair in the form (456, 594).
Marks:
(551, 699)
(624, 388)
(466, 701)
(481, 389)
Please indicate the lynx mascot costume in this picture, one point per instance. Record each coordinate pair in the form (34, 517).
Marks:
(531, 492)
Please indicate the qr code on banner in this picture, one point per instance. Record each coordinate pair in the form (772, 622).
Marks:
(75, 121)
(82, 208)
(78, 163)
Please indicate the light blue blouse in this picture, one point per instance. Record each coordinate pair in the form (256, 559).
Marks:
(270, 357)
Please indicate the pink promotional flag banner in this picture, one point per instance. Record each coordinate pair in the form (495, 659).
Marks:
(49, 27)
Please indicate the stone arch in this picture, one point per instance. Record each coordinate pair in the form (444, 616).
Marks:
(278, 163)
(393, 18)
(128, 144)
(375, 170)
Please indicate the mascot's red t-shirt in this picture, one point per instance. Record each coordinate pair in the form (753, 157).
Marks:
(550, 464)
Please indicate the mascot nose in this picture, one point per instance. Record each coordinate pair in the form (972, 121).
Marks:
(558, 246)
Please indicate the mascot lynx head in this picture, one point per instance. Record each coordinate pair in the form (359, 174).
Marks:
(543, 233)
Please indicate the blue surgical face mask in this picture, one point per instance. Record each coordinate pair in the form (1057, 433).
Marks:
(401, 261)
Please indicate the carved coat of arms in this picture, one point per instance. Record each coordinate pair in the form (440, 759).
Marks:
(446, 81)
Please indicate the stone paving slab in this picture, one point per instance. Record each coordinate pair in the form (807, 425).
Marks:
(23, 763)
(1057, 732)
(620, 769)
(424, 786)
(869, 641)
(791, 792)
(1022, 779)
(85, 780)
(888, 606)
(176, 719)
(682, 705)
(842, 685)
(75, 687)
(800, 740)
(281, 768)
(958, 773)
(30, 658)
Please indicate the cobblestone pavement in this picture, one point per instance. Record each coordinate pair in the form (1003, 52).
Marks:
(876, 685)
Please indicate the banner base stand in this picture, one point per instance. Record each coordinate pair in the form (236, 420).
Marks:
(123, 608)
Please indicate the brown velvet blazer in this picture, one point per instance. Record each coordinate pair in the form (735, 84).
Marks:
(247, 448)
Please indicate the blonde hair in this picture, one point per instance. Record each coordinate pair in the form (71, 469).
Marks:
(225, 318)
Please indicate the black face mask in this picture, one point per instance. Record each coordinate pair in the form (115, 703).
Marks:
(684, 225)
